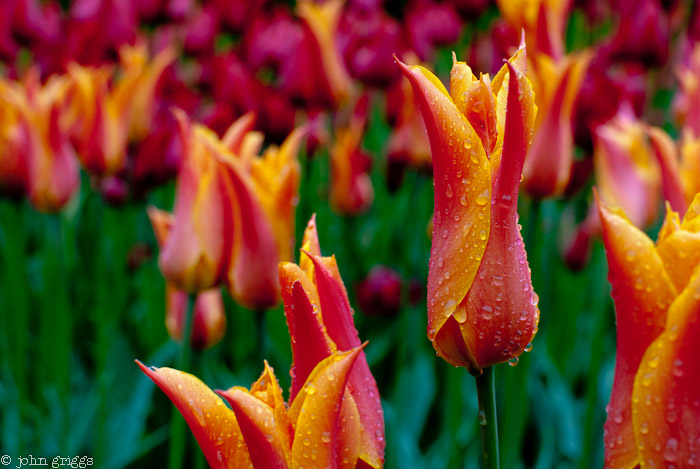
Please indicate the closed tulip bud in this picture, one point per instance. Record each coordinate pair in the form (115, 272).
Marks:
(208, 316)
(482, 309)
(653, 417)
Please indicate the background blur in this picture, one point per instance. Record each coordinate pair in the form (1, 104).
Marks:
(81, 295)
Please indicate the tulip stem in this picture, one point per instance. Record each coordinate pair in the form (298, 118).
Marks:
(177, 423)
(262, 334)
(486, 390)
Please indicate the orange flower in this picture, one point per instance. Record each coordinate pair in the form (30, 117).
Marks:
(351, 187)
(320, 322)
(52, 166)
(654, 412)
(481, 306)
(556, 85)
(318, 428)
(208, 317)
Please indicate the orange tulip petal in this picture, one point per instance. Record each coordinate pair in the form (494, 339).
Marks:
(316, 411)
(666, 396)
(212, 423)
(257, 423)
(462, 195)
(162, 223)
(642, 291)
(268, 390)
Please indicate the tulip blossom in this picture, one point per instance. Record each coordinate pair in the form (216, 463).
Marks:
(544, 23)
(52, 166)
(321, 323)
(322, 21)
(626, 170)
(196, 244)
(653, 414)
(482, 309)
(333, 417)
(260, 431)
(549, 161)
(234, 212)
(351, 187)
(208, 317)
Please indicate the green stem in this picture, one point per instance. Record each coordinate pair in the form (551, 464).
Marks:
(177, 423)
(261, 327)
(533, 221)
(486, 391)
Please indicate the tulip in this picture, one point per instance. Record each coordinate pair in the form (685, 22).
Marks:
(320, 322)
(544, 23)
(265, 191)
(351, 187)
(208, 317)
(481, 306)
(549, 162)
(317, 429)
(52, 166)
(322, 21)
(653, 414)
(626, 169)
(196, 246)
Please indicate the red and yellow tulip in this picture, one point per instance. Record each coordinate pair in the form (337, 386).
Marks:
(556, 85)
(626, 169)
(52, 171)
(654, 410)
(482, 309)
(103, 119)
(321, 323)
(234, 212)
(334, 416)
(322, 19)
(544, 23)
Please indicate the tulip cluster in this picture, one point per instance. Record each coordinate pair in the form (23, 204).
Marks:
(654, 410)
(334, 416)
